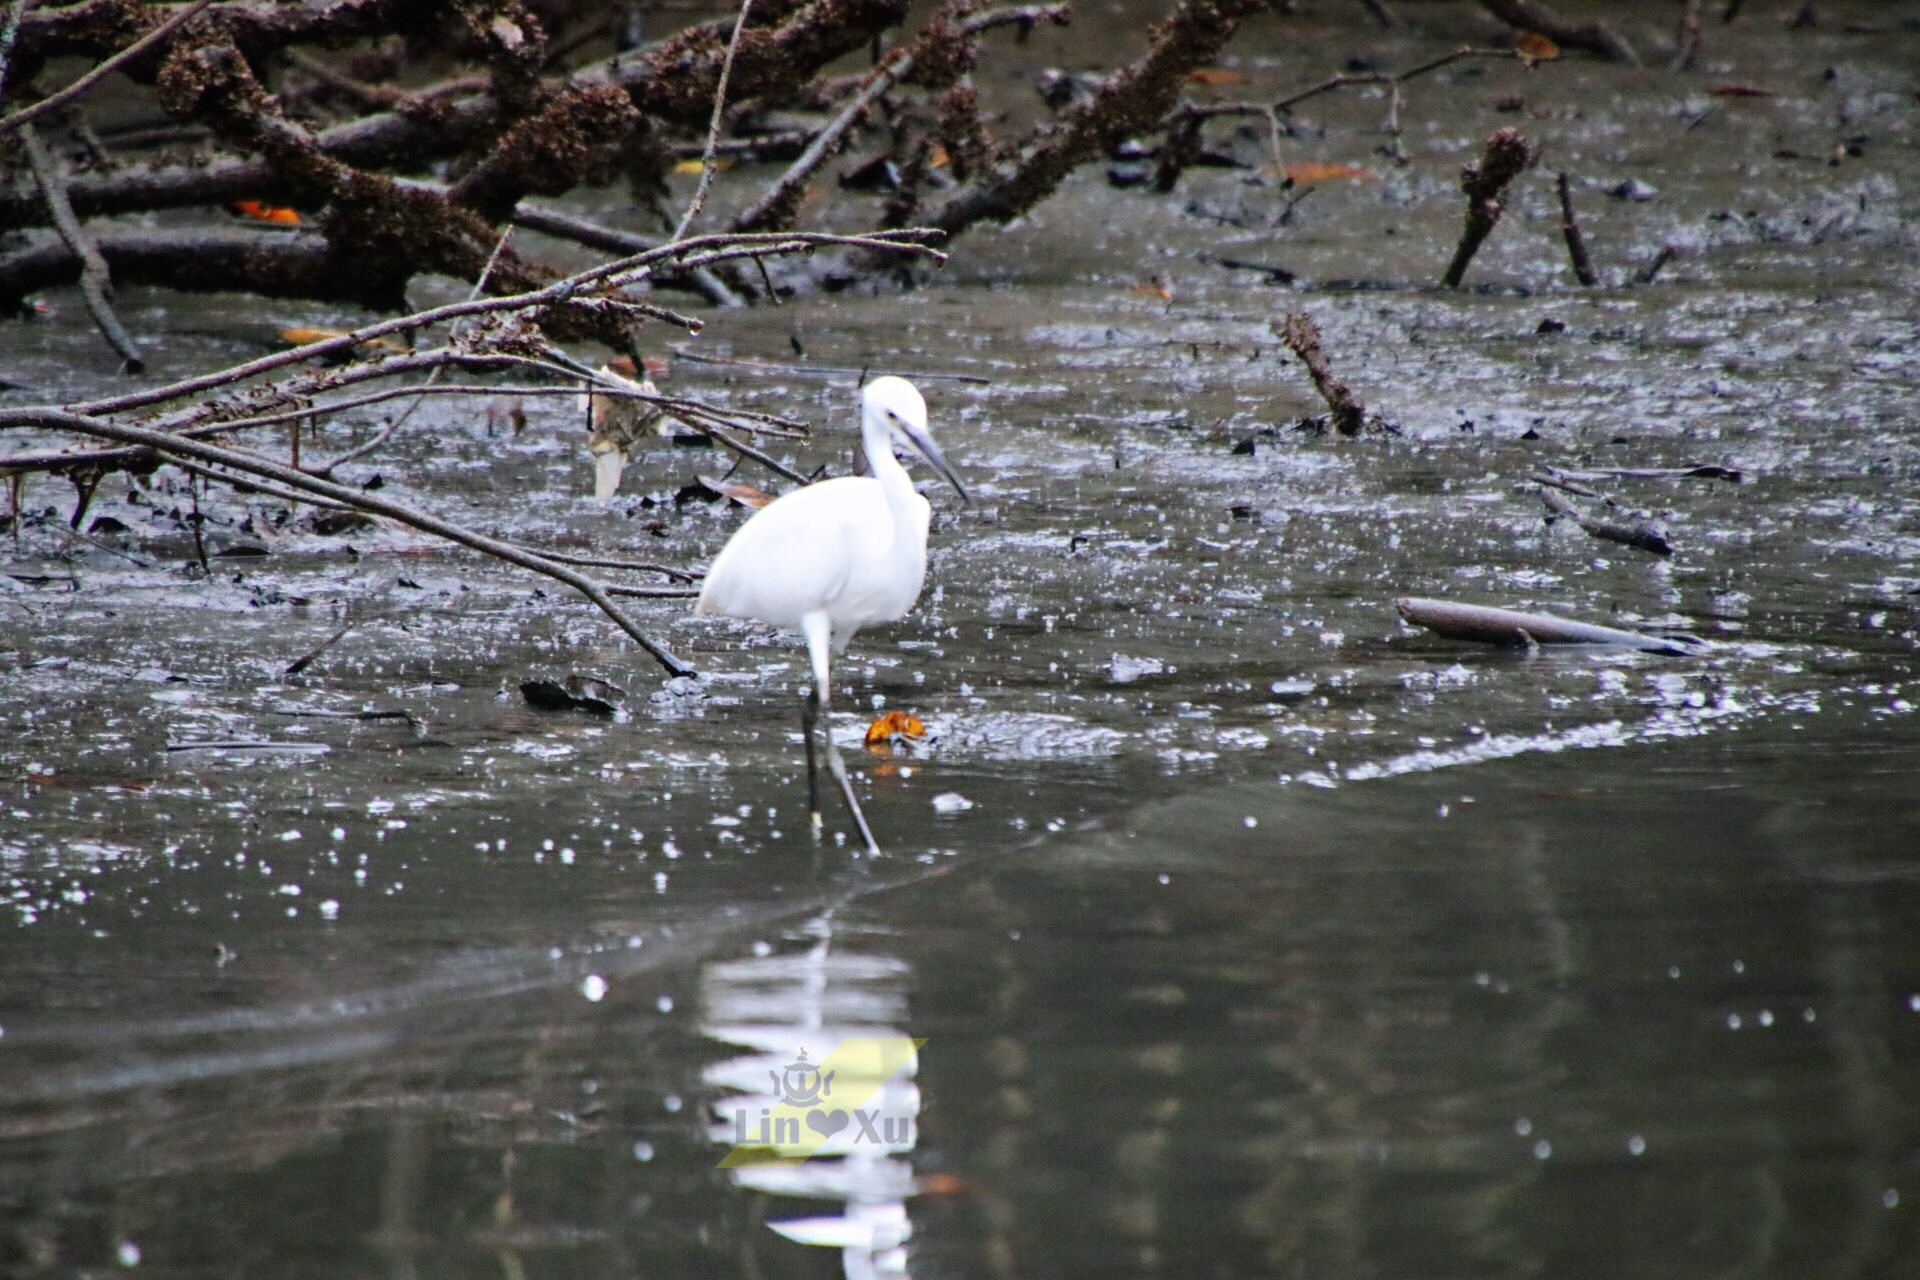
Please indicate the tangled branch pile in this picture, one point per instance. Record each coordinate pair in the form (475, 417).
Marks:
(318, 108)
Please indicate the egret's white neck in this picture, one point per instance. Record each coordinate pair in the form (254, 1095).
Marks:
(878, 440)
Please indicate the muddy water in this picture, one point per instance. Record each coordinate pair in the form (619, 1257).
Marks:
(1247, 929)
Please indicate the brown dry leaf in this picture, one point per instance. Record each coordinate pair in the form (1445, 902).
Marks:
(1739, 91)
(1301, 175)
(904, 724)
(1211, 75)
(745, 495)
(623, 366)
(937, 157)
(1535, 47)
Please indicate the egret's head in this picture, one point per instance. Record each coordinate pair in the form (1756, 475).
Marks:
(895, 404)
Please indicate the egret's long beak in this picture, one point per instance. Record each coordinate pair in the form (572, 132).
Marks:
(923, 442)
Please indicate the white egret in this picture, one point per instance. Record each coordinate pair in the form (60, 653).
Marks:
(829, 558)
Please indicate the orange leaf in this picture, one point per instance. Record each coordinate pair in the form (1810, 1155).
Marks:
(1209, 75)
(904, 724)
(1155, 288)
(1312, 171)
(301, 337)
(937, 157)
(1535, 47)
(943, 1184)
(745, 495)
(623, 365)
(265, 212)
(1739, 91)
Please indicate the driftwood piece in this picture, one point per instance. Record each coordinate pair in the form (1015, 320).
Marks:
(1643, 537)
(1525, 630)
(1704, 471)
(1485, 183)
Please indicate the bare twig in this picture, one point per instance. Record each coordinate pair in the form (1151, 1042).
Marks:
(96, 283)
(820, 370)
(746, 450)
(567, 227)
(1648, 273)
(713, 128)
(637, 566)
(1194, 112)
(54, 102)
(255, 465)
(1576, 243)
(654, 593)
(1484, 183)
(300, 664)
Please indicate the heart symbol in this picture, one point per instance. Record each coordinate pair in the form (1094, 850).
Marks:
(826, 1123)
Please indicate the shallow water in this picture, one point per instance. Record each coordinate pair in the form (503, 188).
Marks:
(1248, 930)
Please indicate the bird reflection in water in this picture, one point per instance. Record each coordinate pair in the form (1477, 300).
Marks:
(831, 1080)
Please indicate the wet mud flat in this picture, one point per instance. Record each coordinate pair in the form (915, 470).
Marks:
(1279, 932)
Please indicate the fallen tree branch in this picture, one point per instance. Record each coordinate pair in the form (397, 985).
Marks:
(1134, 101)
(287, 477)
(776, 206)
(1595, 37)
(96, 280)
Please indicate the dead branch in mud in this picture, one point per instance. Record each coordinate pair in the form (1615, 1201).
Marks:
(1595, 37)
(1302, 337)
(1639, 535)
(1576, 242)
(1485, 182)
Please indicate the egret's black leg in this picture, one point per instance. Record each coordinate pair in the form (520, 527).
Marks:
(809, 716)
